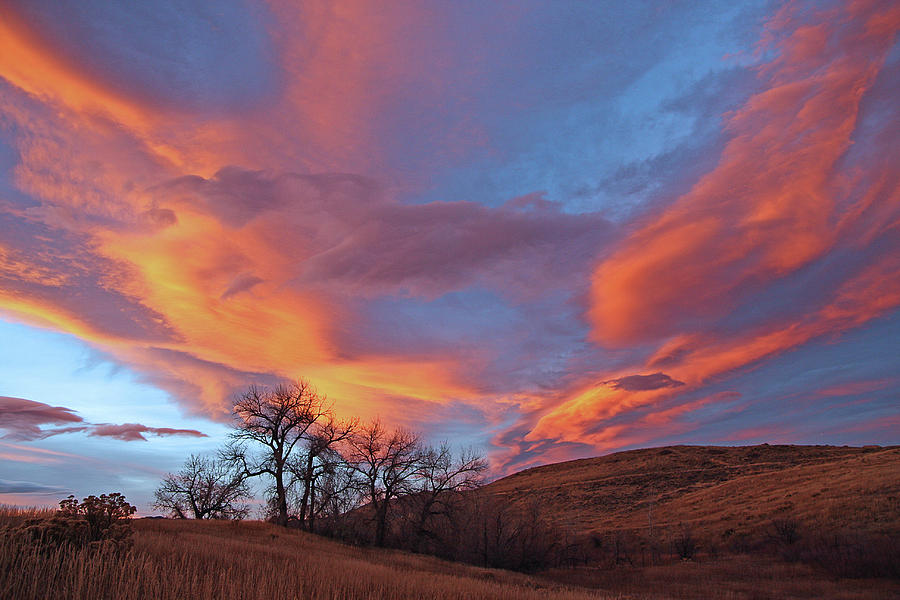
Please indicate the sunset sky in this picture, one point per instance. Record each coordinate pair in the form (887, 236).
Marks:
(547, 229)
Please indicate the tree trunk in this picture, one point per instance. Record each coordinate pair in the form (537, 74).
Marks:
(381, 523)
(280, 498)
(307, 483)
(312, 505)
(423, 521)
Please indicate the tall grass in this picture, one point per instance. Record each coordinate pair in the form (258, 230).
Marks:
(207, 560)
(203, 560)
(13, 515)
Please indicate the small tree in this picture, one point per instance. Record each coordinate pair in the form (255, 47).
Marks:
(441, 477)
(101, 514)
(502, 535)
(270, 423)
(387, 464)
(204, 488)
(336, 494)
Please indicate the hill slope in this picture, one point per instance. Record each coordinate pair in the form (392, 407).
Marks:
(717, 491)
(206, 560)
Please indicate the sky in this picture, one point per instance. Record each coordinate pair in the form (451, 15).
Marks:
(549, 230)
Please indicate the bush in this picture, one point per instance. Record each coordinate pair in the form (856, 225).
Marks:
(684, 544)
(103, 522)
(786, 531)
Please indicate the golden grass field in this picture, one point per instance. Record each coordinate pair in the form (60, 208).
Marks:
(712, 489)
(206, 560)
(717, 489)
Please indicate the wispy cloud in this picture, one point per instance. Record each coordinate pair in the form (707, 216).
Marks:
(27, 487)
(133, 432)
(782, 212)
(23, 420)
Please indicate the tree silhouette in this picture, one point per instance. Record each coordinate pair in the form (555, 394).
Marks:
(269, 425)
(204, 488)
(387, 463)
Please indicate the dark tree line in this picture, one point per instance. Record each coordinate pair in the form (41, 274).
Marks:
(361, 482)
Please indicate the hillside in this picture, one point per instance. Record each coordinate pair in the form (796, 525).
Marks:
(206, 560)
(717, 491)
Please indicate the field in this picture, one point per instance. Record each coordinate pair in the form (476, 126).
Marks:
(249, 560)
(607, 504)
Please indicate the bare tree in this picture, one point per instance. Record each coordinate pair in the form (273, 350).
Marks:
(387, 464)
(335, 494)
(509, 536)
(204, 488)
(270, 423)
(786, 531)
(317, 457)
(440, 478)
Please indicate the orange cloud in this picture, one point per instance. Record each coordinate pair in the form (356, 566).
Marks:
(27, 62)
(222, 291)
(769, 206)
(779, 199)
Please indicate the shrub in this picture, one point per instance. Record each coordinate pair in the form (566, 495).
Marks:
(685, 545)
(786, 531)
(103, 522)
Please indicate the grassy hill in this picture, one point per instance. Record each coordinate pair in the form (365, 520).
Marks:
(718, 492)
(206, 560)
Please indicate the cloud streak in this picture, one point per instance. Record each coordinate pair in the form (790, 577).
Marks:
(134, 432)
(640, 383)
(27, 487)
(24, 420)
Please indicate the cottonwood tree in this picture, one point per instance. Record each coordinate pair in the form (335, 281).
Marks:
(269, 425)
(318, 457)
(387, 464)
(337, 494)
(204, 488)
(507, 536)
(441, 477)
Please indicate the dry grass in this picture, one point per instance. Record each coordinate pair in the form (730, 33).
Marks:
(732, 578)
(206, 560)
(13, 515)
(723, 495)
(716, 489)
(250, 560)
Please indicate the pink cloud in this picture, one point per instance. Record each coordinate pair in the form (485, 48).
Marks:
(24, 419)
(133, 432)
(790, 203)
(640, 383)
